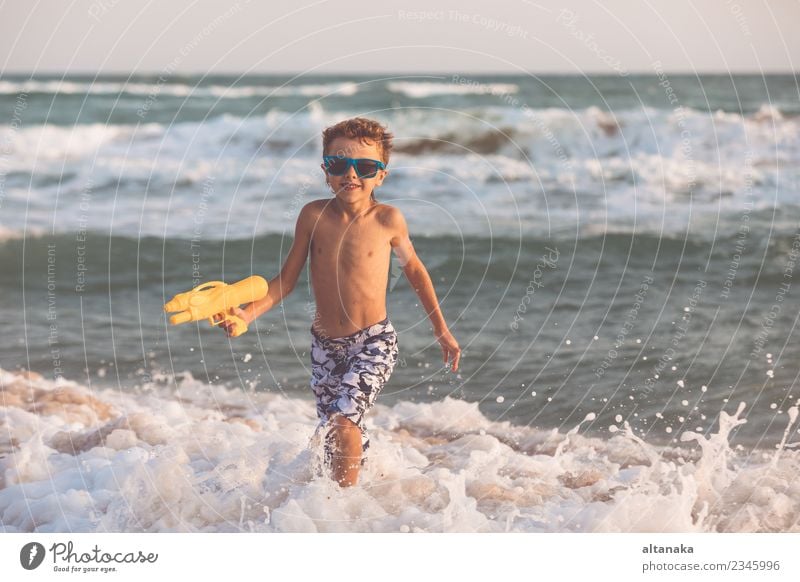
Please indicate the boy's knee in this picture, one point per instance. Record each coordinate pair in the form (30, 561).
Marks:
(342, 422)
(344, 429)
(343, 449)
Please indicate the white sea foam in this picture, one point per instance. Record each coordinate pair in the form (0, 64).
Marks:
(180, 455)
(474, 172)
(422, 89)
(175, 89)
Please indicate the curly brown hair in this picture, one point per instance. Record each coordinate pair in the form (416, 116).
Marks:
(363, 129)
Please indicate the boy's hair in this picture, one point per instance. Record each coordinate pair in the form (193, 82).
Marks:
(364, 130)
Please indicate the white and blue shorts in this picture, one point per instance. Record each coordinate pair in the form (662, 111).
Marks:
(348, 373)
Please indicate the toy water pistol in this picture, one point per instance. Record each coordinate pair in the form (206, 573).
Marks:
(213, 300)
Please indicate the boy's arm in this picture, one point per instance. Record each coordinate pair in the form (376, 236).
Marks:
(420, 280)
(285, 282)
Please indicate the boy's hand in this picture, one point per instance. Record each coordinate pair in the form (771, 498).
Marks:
(228, 326)
(450, 348)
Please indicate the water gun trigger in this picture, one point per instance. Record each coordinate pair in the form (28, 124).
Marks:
(239, 326)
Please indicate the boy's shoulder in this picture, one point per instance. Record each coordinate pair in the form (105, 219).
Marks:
(316, 205)
(388, 215)
(312, 211)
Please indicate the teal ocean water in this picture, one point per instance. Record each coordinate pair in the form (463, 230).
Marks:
(606, 250)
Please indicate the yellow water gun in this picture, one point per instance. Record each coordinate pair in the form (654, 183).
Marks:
(213, 300)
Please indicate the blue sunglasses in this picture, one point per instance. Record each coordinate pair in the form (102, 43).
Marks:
(365, 168)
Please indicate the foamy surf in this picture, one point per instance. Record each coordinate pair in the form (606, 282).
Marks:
(179, 455)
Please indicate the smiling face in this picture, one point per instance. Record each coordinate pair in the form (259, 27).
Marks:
(349, 187)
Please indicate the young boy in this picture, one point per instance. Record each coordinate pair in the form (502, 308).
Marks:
(349, 239)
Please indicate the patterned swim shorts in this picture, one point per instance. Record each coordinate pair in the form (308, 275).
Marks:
(347, 373)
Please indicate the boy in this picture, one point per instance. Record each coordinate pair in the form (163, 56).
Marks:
(349, 239)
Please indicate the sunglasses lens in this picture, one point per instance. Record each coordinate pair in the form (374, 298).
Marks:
(366, 168)
(337, 167)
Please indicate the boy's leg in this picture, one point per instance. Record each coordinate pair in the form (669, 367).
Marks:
(368, 371)
(345, 390)
(343, 447)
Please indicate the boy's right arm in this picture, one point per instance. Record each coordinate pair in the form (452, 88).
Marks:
(285, 282)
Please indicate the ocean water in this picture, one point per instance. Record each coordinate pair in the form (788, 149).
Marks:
(617, 257)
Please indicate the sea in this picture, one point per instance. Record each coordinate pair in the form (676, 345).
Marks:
(617, 256)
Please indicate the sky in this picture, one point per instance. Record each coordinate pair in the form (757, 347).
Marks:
(345, 36)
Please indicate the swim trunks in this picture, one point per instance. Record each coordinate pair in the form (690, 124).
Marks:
(347, 373)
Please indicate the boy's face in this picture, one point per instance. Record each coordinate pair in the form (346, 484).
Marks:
(349, 187)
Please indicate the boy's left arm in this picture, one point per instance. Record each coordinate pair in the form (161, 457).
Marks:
(420, 280)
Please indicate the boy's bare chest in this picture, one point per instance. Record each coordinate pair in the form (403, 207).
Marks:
(350, 244)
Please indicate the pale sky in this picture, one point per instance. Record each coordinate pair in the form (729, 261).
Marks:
(326, 36)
